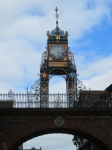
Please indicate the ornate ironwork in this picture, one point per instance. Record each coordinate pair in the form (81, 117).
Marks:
(82, 143)
(87, 99)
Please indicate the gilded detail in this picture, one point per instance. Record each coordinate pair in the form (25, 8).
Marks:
(58, 121)
(58, 64)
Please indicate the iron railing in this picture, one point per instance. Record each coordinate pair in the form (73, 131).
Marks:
(33, 100)
(29, 100)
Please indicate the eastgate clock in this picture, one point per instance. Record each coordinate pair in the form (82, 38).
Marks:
(57, 52)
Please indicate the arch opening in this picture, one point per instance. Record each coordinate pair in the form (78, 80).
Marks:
(57, 84)
(73, 132)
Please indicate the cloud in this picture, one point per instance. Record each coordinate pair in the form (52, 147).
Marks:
(99, 82)
(19, 21)
(95, 73)
(19, 62)
(94, 68)
(22, 39)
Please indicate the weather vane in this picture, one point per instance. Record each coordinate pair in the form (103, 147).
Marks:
(57, 16)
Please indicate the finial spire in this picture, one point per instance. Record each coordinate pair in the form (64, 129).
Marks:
(57, 16)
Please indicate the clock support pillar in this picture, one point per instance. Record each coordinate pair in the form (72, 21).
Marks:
(44, 90)
(71, 84)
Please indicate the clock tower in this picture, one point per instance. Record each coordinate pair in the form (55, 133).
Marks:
(58, 60)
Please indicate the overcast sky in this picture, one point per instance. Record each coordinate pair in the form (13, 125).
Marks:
(23, 26)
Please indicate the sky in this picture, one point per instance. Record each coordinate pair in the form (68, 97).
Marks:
(23, 26)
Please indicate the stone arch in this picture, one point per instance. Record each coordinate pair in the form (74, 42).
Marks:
(22, 133)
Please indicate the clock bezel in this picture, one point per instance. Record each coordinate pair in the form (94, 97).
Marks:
(58, 60)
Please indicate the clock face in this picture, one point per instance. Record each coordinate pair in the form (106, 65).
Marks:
(57, 52)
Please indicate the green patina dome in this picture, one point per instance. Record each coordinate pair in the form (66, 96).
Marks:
(57, 31)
